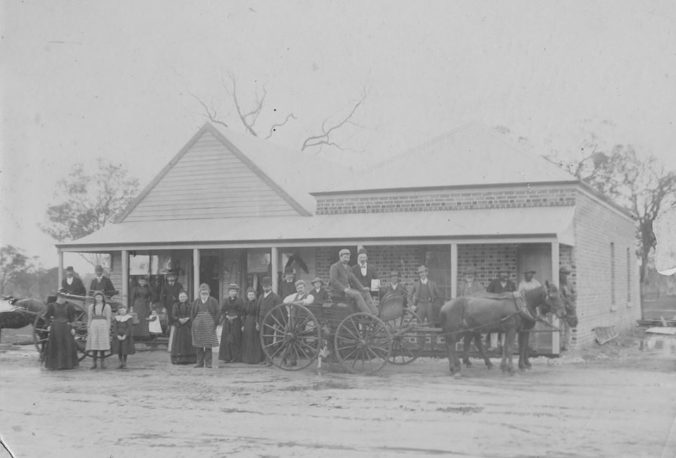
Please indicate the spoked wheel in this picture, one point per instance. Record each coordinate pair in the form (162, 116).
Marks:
(80, 326)
(40, 335)
(363, 343)
(290, 337)
(405, 348)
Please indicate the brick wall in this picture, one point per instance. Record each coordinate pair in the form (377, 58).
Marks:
(488, 260)
(596, 226)
(458, 199)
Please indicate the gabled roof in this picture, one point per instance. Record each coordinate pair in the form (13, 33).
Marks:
(470, 155)
(290, 174)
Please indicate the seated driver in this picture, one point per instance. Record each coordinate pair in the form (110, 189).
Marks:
(343, 283)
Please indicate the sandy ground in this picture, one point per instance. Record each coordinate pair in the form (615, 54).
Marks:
(617, 400)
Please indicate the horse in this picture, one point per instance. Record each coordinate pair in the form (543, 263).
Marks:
(468, 317)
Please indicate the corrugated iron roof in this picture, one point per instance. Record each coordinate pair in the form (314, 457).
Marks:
(514, 222)
(472, 154)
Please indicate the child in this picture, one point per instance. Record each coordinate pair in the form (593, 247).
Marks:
(123, 336)
(98, 328)
(154, 325)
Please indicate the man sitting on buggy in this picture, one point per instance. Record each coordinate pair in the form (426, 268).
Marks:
(343, 284)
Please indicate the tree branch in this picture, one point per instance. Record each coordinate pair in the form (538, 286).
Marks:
(273, 128)
(325, 137)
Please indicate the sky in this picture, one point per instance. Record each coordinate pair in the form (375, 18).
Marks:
(118, 79)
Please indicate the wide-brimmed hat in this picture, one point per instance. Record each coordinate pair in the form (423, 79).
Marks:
(344, 251)
(205, 287)
(232, 286)
(565, 270)
(317, 280)
(98, 293)
(70, 269)
(299, 282)
(422, 269)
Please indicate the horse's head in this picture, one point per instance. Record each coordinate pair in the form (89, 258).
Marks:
(552, 301)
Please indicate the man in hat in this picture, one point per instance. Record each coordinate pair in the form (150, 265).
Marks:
(300, 296)
(426, 297)
(569, 297)
(529, 282)
(318, 291)
(364, 271)
(502, 284)
(343, 284)
(72, 283)
(288, 284)
(394, 289)
(470, 287)
(169, 295)
(101, 283)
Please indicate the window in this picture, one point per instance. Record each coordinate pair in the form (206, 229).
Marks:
(612, 276)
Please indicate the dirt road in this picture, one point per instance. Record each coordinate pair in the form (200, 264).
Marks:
(603, 403)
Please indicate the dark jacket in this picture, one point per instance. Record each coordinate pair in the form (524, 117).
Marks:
(399, 291)
(365, 280)
(341, 278)
(320, 296)
(265, 304)
(76, 288)
(104, 285)
(168, 297)
(435, 294)
(496, 287)
(286, 288)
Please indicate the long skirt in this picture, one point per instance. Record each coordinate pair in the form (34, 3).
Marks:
(142, 310)
(204, 331)
(98, 335)
(61, 350)
(182, 350)
(251, 342)
(230, 349)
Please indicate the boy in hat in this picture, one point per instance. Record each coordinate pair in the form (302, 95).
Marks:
(319, 292)
(72, 283)
(426, 297)
(101, 283)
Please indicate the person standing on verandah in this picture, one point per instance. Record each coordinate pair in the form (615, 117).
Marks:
(232, 311)
(182, 350)
(204, 320)
(72, 283)
(140, 298)
(61, 350)
(98, 328)
(251, 342)
(101, 283)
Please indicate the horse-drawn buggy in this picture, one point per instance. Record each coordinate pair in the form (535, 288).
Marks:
(293, 336)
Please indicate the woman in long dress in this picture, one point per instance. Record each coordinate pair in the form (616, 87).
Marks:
(182, 351)
(204, 317)
(140, 298)
(232, 310)
(123, 336)
(61, 350)
(251, 342)
(98, 328)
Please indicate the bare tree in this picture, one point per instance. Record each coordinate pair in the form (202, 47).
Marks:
(248, 116)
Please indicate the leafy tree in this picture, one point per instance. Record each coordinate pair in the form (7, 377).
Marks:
(641, 184)
(14, 265)
(86, 201)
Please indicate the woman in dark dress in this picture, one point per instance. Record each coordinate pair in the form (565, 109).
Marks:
(123, 336)
(251, 342)
(182, 351)
(61, 351)
(232, 310)
(140, 298)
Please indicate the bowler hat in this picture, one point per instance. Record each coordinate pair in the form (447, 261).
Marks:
(266, 281)
(70, 269)
(343, 251)
(565, 270)
(422, 269)
(234, 286)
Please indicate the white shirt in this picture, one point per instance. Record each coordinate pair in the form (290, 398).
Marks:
(363, 269)
(69, 281)
(424, 282)
(529, 285)
(307, 300)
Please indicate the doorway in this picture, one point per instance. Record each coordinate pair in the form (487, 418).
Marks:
(209, 273)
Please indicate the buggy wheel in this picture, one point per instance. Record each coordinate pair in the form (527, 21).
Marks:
(405, 347)
(79, 324)
(290, 337)
(40, 335)
(363, 343)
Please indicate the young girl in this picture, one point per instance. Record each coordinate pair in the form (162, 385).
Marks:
(98, 328)
(123, 336)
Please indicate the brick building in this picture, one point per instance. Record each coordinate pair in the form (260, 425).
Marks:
(230, 208)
